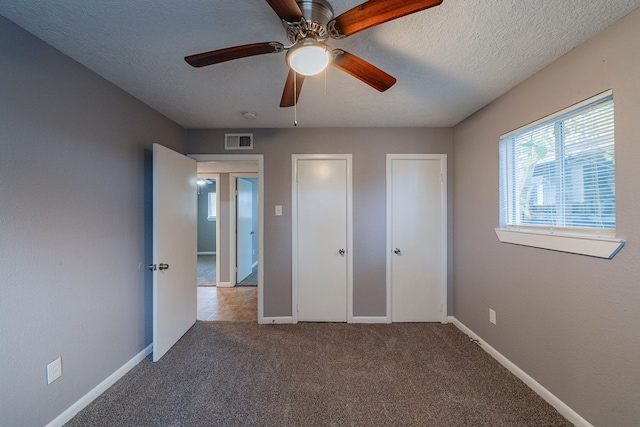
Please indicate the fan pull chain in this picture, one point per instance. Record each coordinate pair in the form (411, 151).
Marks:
(295, 99)
(325, 81)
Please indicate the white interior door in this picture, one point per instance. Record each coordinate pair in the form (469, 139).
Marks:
(416, 238)
(321, 238)
(244, 229)
(174, 248)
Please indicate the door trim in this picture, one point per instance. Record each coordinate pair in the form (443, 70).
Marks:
(260, 159)
(443, 227)
(233, 187)
(294, 229)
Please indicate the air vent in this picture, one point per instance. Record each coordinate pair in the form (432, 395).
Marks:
(238, 141)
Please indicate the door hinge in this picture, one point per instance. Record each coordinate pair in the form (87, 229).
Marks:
(440, 308)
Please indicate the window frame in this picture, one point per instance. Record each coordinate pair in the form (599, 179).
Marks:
(598, 242)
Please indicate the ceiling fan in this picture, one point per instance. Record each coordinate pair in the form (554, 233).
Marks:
(309, 23)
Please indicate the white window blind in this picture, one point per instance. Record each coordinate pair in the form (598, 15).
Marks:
(211, 208)
(558, 173)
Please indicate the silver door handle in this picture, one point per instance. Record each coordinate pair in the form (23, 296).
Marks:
(163, 267)
(342, 251)
(397, 251)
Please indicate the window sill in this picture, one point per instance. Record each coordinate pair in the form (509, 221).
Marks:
(600, 247)
(211, 218)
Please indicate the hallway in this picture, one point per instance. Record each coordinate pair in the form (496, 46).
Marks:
(237, 304)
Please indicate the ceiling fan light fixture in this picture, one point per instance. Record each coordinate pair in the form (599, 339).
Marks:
(309, 57)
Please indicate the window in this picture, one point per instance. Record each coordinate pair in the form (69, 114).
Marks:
(211, 212)
(557, 175)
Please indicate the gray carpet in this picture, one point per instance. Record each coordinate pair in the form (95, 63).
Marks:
(251, 279)
(309, 374)
(206, 270)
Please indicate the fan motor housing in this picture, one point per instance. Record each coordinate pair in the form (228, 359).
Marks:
(316, 10)
(316, 13)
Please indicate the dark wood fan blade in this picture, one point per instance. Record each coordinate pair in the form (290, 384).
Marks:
(286, 9)
(289, 87)
(376, 12)
(230, 53)
(362, 70)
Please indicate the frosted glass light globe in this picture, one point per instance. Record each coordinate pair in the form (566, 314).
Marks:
(308, 57)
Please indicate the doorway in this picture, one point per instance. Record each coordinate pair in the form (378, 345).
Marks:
(207, 229)
(226, 301)
(244, 229)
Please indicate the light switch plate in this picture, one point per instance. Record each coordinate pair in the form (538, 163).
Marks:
(492, 316)
(278, 210)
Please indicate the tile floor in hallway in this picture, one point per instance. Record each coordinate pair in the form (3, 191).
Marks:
(228, 304)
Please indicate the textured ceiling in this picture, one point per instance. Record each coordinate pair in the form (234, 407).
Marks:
(449, 61)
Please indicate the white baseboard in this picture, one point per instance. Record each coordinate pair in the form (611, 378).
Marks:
(554, 401)
(277, 320)
(207, 253)
(85, 400)
(371, 319)
(225, 285)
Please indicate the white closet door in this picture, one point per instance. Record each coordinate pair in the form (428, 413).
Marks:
(322, 226)
(415, 251)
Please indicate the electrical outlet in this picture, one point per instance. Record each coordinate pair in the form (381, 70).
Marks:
(54, 370)
(492, 316)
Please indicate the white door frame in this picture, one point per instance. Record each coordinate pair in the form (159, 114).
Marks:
(233, 188)
(443, 227)
(294, 230)
(260, 159)
(216, 177)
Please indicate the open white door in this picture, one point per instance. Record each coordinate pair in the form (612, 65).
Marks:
(174, 248)
(244, 228)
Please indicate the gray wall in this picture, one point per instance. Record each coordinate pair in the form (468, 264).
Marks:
(369, 148)
(74, 209)
(206, 228)
(569, 321)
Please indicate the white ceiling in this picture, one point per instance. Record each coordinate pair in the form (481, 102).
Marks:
(450, 60)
